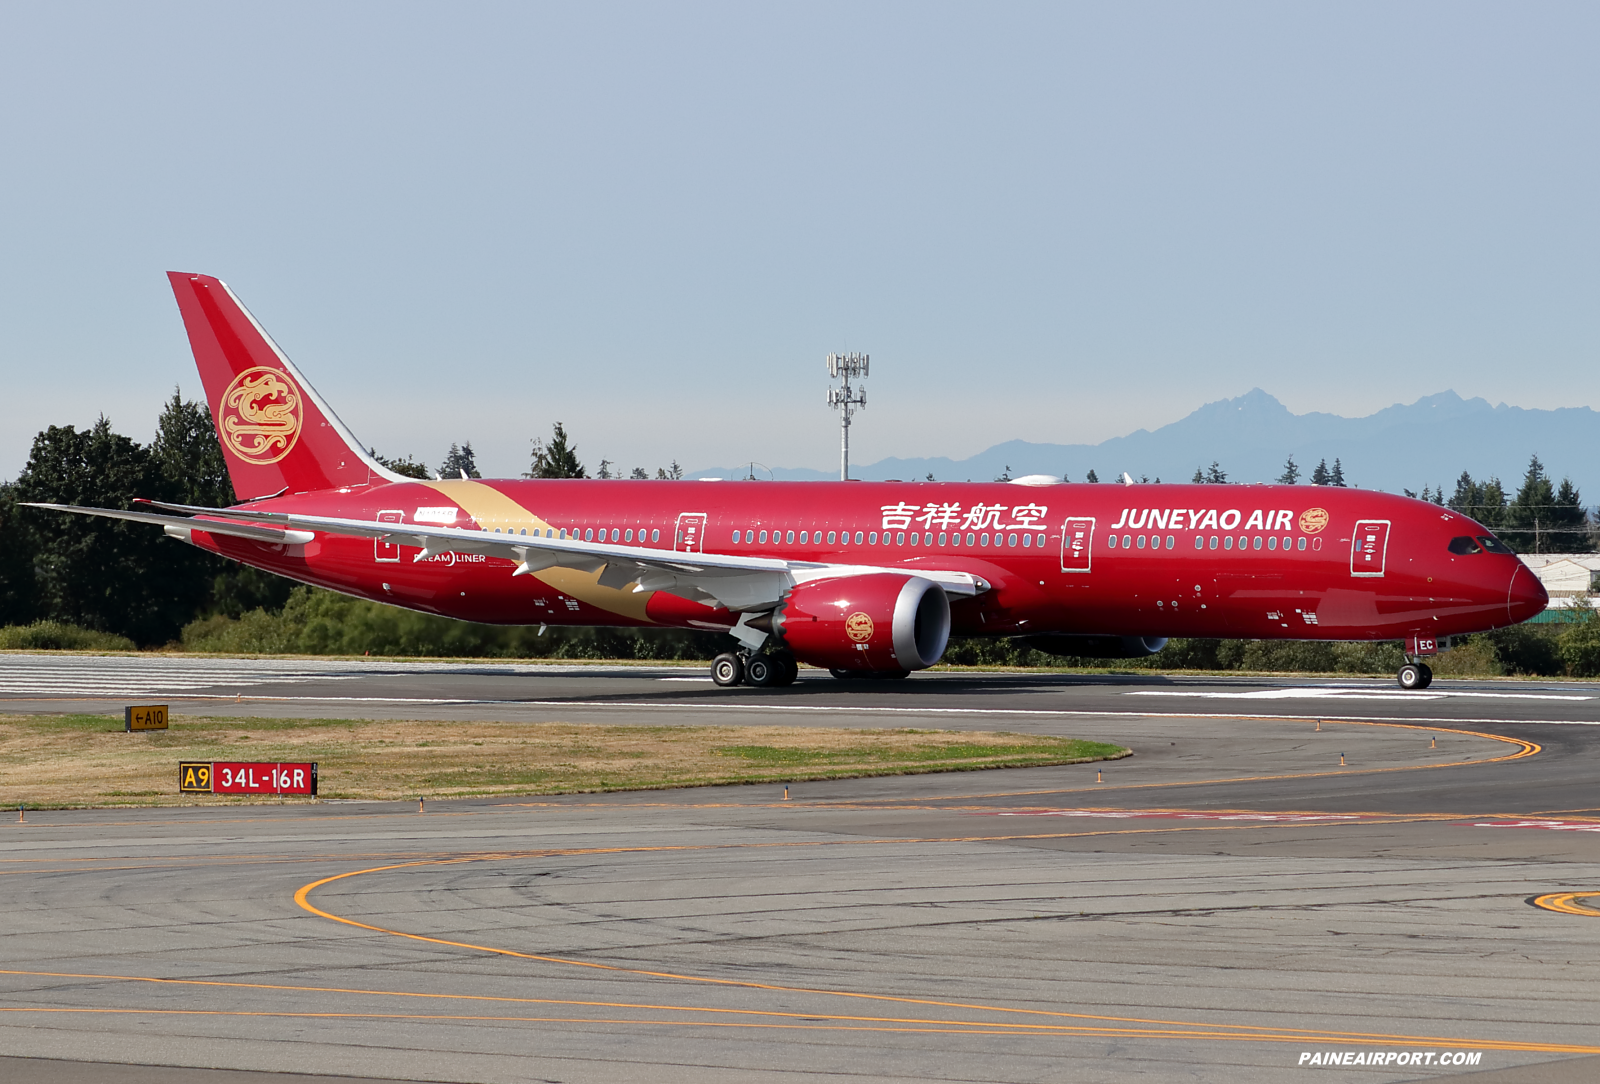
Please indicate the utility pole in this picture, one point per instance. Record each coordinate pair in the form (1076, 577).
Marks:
(848, 400)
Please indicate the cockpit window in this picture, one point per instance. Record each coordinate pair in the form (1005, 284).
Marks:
(1464, 545)
(1494, 545)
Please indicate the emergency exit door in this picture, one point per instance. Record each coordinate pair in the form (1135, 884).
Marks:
(1369, 548)
(381, 549)
(1077, 544)
(691, 531)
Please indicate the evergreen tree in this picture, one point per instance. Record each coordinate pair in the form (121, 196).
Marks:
(108, 575)
(1336, 477)
(1574, 532)
(605, 470)
(640, 475)
(1291, 473)
(460, 462)
(16, 563)
(1216, 476)
(1319, 474)
(189, 456)
(406, 468)
(1541, 519)
(1199, 478)
(673, 473)
(1092, 477)
(556, 459)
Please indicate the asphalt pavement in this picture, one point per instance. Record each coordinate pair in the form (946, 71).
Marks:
(1229, 904)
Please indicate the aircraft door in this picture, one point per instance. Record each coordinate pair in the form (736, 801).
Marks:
(1369, 548)
(691, 532)
(1077, 544)
(387, 551)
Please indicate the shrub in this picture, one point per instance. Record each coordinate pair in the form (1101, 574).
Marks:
(55, 636)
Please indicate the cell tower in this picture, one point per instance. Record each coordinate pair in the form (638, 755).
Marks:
(848, 400)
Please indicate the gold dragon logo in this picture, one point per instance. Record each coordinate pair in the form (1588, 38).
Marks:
(858, 626)
(1313, 520)
(260, 415)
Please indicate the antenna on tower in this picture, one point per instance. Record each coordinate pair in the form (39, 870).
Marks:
(847, 400)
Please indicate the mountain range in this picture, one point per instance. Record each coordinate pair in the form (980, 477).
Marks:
(1405, 446)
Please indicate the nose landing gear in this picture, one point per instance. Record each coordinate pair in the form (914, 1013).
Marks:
(1416, 674)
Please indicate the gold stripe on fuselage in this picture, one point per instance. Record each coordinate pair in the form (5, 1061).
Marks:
(491, 509)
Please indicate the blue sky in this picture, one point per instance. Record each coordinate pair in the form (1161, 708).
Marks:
(1052, 222)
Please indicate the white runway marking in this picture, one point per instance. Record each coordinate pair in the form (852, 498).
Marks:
(1334, 692)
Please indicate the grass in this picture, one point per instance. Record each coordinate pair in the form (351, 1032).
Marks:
(56, 761)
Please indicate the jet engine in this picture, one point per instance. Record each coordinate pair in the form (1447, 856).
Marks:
(1095, 647)
(877, 622)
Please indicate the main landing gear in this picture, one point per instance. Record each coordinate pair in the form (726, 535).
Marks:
(1415, 675)
(755, 668)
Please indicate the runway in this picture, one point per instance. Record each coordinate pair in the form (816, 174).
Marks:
(1223, 905)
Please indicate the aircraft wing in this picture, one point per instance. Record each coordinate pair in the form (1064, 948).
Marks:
(723, 580)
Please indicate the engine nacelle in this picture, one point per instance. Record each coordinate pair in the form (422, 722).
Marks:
(1096, 647)
(880, 621)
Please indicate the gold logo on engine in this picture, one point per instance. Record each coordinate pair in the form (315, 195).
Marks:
(858, 626)
(260, 415)
(1313, 520)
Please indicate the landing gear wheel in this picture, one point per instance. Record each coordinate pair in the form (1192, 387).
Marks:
(790, 669)
(762, 671)
(1413, 676)
(844, 675)
(727, 669)
(1427, 675)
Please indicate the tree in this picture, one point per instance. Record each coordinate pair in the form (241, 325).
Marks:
(1319, 474)
(187, 452)
(640, 474)
(1336, 477)
(1215, 475)
(673, 473)
(1291, 473)
(605, 470)
(1199, 478)
(1005, 475)
(557, 459)
(16, 563)
(1541, 519)
(108, 575)
(1092, 477)
(190, 459)
(406, 468)
(460, 462)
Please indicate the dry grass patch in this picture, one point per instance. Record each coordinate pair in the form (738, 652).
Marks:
(76, 760)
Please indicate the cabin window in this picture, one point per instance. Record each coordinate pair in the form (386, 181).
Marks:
(1464, 545)
(970, 542)
(872, 538)
(655, 535)
(1027, 541)
(1213, 541)
(913, 538)
(789, 538)
(1111, 540)
(1301, 544)
(804, 537)
(524, 530)
(1127, 541)
(1257, 542)
(630, 535)
(588, 536)
(1272, 543)
(763, 538)
(941, 538)
(831, 536)
(983, 539)
(1199, 542)
(899, 538)
(615, 534)
(736, 537)
(1172, 543)
(1493, 544)
(1227, 543)
(858, 538)
(1141, 541)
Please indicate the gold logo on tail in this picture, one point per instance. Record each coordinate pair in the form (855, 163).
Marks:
(858, 626)
(260, 415)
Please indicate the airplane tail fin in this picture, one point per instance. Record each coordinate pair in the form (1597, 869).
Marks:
(277, 434)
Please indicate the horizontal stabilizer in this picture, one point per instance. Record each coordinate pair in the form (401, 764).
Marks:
(255, 533)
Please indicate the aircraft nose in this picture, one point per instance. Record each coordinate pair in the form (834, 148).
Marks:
(1526, 596)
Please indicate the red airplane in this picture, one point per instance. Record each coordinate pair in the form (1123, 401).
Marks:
(866, 579)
